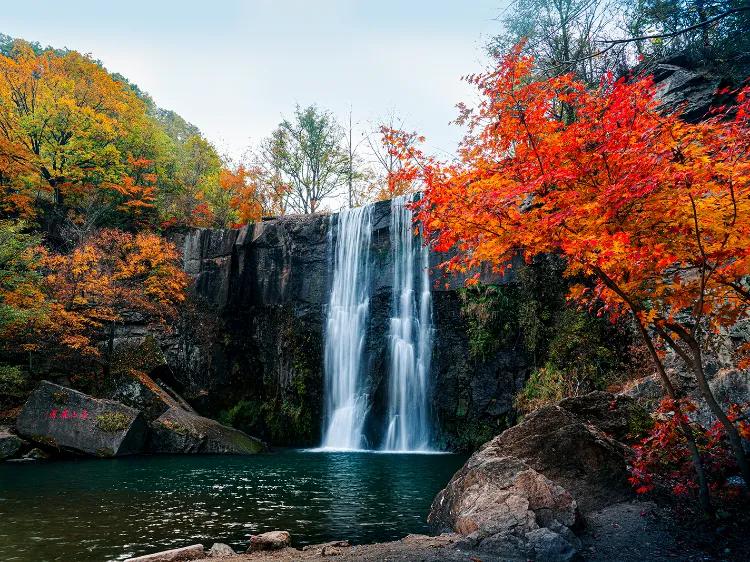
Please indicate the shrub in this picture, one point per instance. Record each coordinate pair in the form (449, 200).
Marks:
(545, 385)
(244, 415)
(662, 459)
(14, 386)
(491, 319)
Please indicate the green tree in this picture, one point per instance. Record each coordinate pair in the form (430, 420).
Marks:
(308, 153)
(19, 279)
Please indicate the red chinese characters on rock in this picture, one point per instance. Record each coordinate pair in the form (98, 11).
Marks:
(66, 414)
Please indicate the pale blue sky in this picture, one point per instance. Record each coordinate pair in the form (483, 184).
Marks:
(233, 68)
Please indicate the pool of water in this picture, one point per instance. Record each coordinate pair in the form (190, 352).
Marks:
(95, 510)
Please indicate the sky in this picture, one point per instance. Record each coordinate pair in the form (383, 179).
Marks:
(236, 68)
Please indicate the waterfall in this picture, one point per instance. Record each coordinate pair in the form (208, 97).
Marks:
(346, 327)
(410, 336)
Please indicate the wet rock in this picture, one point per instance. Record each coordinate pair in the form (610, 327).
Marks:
(36, 454)
(179, 431)
(496, 500)
(60, 418)
(10, 444)
(273, 540)
(193, 552)
(220, 550)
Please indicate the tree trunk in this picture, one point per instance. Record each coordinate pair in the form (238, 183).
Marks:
(704, 494)
(110, 351)
(735, 441)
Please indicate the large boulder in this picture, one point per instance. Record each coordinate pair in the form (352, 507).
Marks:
(571, 451)
(499, 502)
(180, 431)
(519, 496)
(694, 91)
(67, 420)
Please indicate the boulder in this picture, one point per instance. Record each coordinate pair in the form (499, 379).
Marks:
(647, 391)
(141, 393)
(67, 420)
(179, 431)
(608, 412)
(10, 444)
(220, 550)
(36, 454)
(544, 545)
(496, 501)
(273, 540)
(571, 451)
(192, 552)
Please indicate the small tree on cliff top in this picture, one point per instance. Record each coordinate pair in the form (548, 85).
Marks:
(656, 210)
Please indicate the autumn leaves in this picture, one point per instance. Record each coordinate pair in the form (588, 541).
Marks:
(653, 212)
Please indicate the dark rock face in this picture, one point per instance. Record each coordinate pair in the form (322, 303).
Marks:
(67, 420)
(694, 91)
(250, 351)
(178, 431)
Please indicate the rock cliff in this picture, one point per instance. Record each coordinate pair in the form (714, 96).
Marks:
(250, 350)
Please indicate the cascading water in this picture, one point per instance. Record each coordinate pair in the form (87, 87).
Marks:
(410, 336)
(345, 398)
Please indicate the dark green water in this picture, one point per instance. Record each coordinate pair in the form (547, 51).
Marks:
(95, 510)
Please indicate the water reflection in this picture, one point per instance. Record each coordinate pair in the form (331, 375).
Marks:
(112, 509)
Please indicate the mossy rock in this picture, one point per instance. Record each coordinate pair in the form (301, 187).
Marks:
(180, 431)
(178, 428)
(60, 397)
(85, 425)
(112, 422)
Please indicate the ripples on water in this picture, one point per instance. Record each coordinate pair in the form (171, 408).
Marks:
(94, 510)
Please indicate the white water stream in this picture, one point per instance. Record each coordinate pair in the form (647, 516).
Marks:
(345, 398)
(410, 336)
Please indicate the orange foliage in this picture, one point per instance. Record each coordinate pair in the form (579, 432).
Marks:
(242, 187)
(60, 126)
(656, 209)
(138, 189)
(108, 277)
